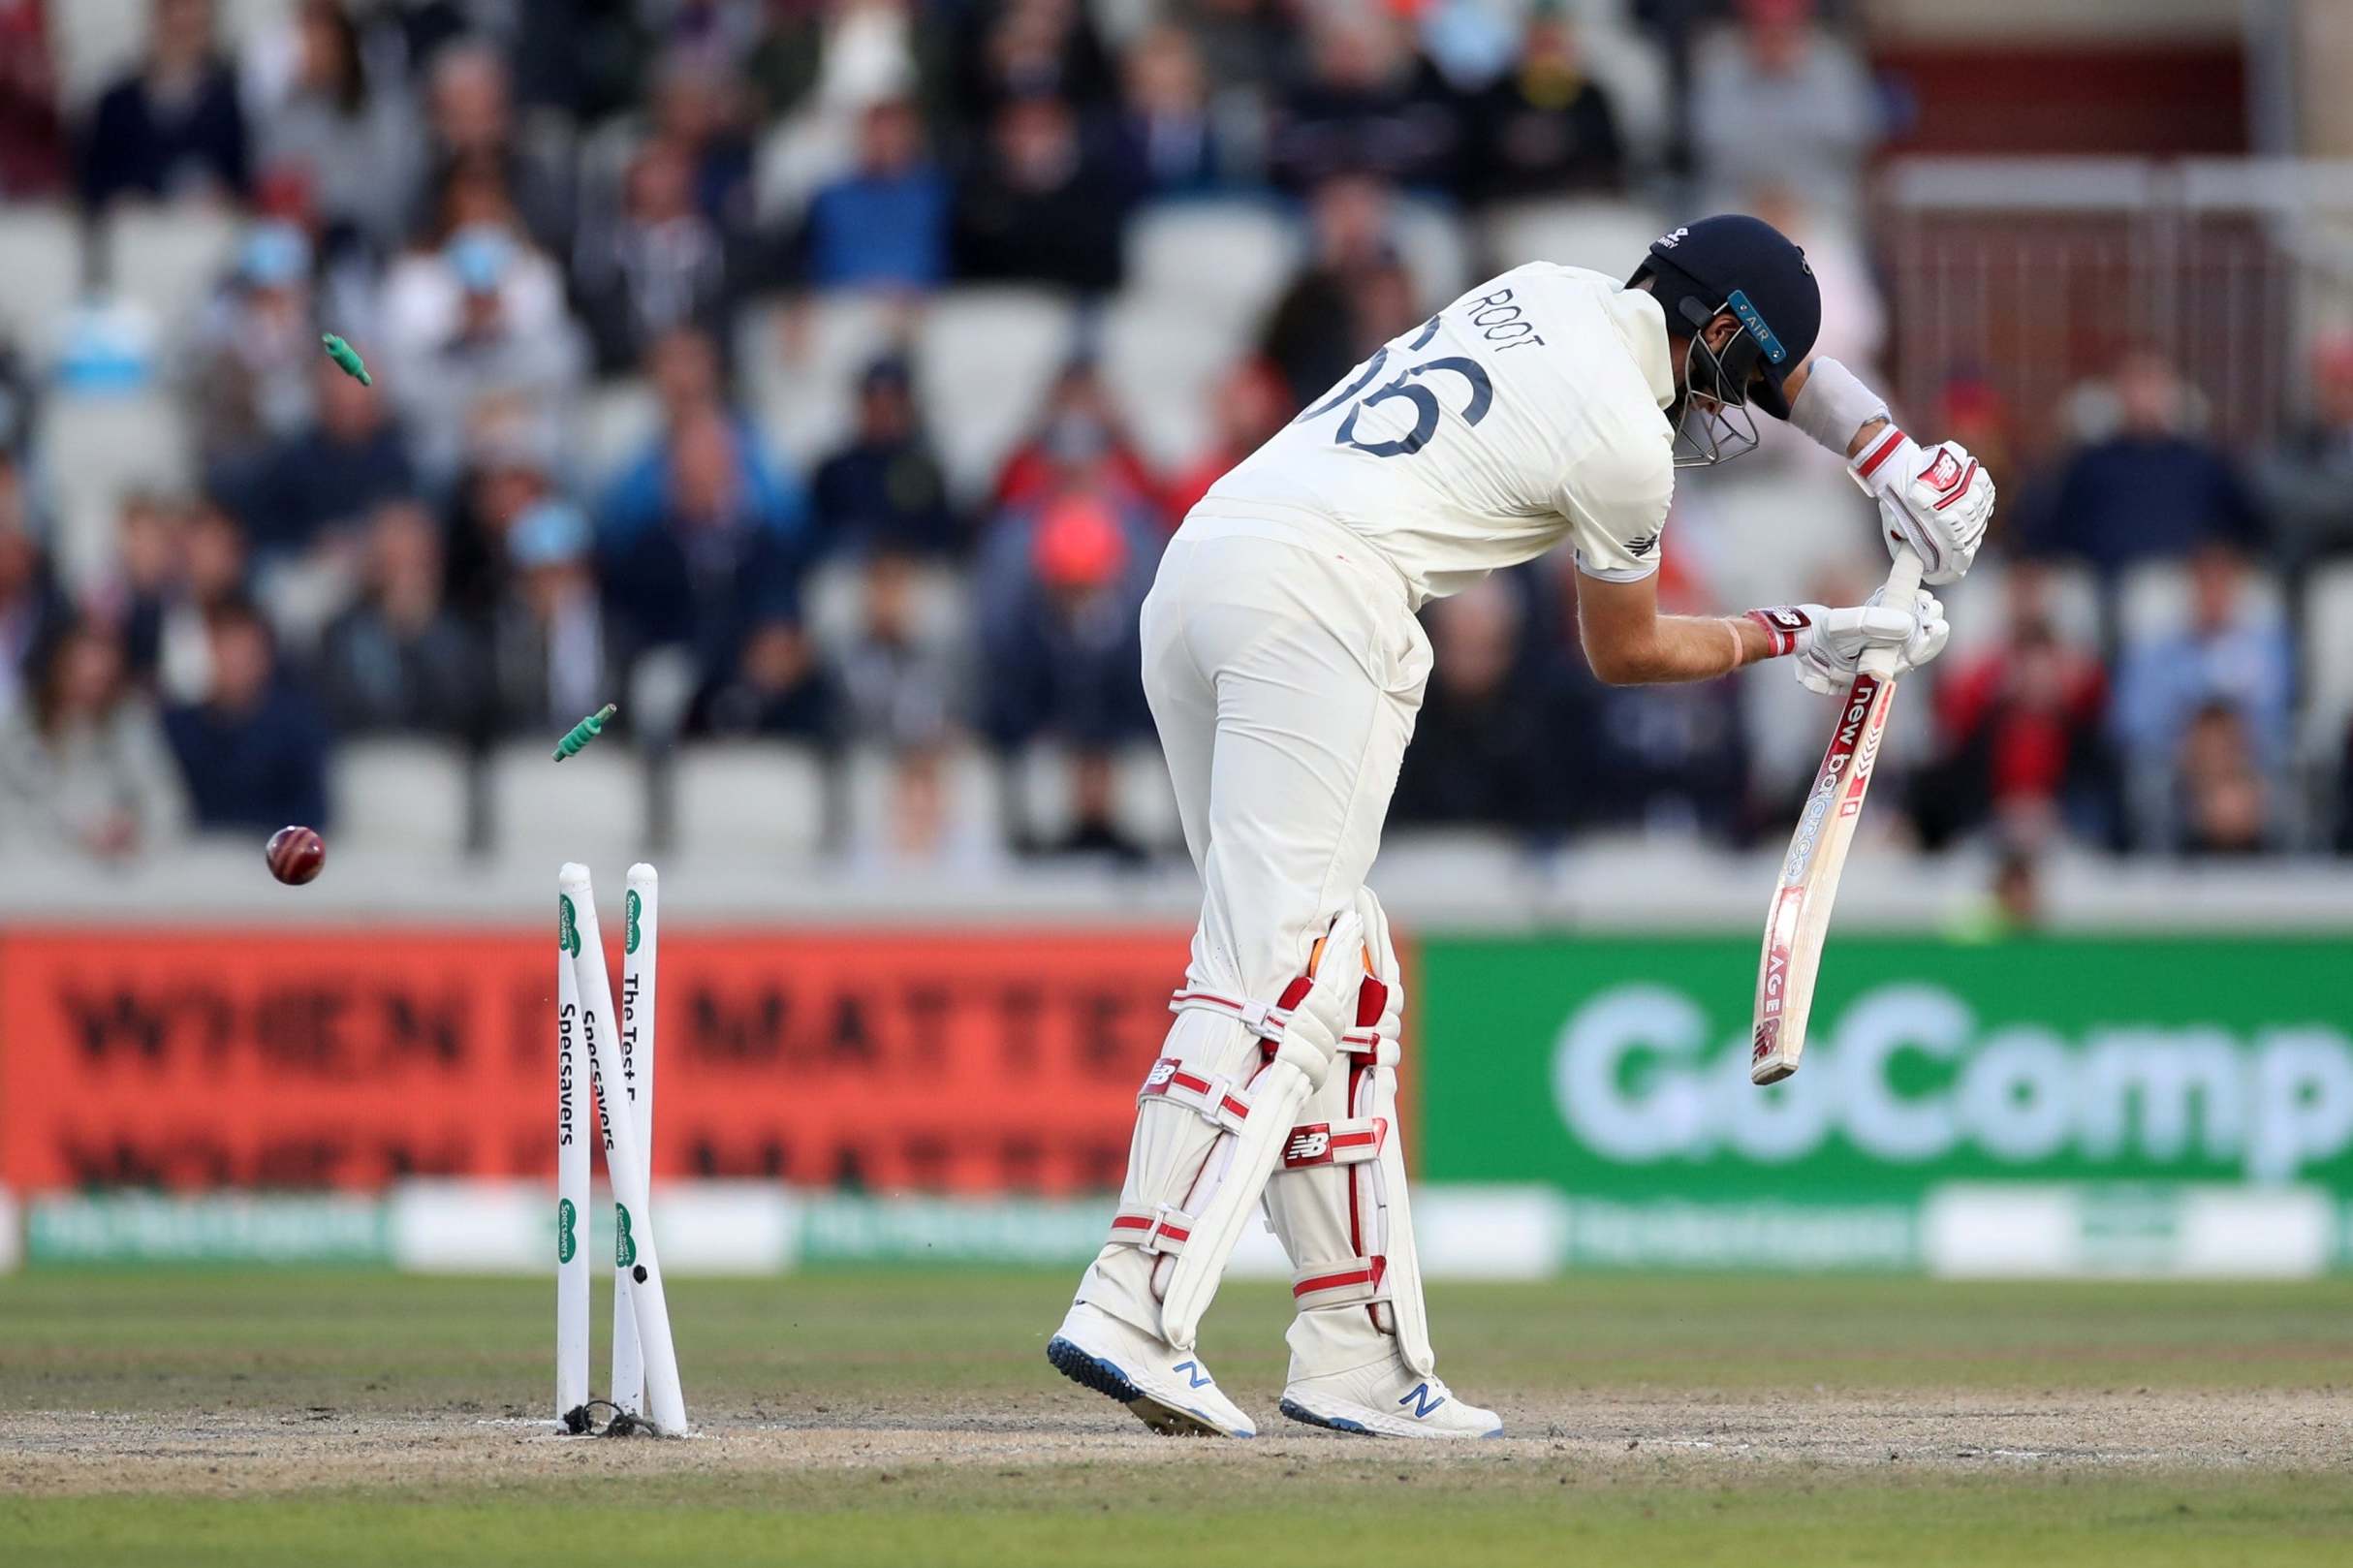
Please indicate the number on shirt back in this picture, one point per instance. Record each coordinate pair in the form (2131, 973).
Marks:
(1405, 388)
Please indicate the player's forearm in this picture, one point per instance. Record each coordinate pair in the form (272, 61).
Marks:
(1683, 649)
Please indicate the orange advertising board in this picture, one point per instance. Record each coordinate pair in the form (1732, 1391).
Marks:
(941, 1061)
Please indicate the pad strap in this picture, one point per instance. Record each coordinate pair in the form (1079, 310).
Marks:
(1212, 1098)
(1267, 1021)
(1345, 1282)
(1163, 1230)
(1318, 1143)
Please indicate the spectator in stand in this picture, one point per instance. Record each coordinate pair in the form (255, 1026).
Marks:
(2224, 802)
(2153, 490)
(1779, 99)
(250, 364)
(319, 482)
(2307, 482)
(1369, 104)
(400, 660)
(510, 469)
(252, 753)
(476, 315)
(1019, 48)
(1250, 404)
(470, 125)
(2229, 656)
(1080, 440)
(699, 108)
(1546, 129)
(1343, 302)
(1059, 586)
(1037, 207)
(1484, 755)
(32, 131)
(1165, 141)
(901, 681)
(84, 767)
(2024, 733)
(554, 653)
(884, 225)
(173, 128)
(1248, 48)
(660, 264)
(684, 366)
(708, 549)
(883, 492)
(776, 688)
(349, 140)
(32, 607)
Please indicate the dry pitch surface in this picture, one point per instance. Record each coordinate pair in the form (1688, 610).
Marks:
(910, 1418)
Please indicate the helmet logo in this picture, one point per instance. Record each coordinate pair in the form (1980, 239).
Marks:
(1667, 241)
(1754, 320)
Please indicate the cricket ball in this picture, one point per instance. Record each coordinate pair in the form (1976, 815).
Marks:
(296, 855)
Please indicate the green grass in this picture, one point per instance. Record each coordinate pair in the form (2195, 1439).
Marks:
(137, 1340)
(1110, 1513)
(839, 1348)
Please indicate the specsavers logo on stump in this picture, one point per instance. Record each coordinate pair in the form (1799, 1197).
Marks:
(1619, 1068)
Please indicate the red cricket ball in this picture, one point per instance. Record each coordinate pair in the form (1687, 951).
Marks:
(296, 855)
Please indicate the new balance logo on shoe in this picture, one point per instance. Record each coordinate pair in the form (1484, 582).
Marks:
(1197, 1376)
(1423, 1402)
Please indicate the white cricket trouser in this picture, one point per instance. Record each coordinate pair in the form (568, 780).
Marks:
(1284, 667)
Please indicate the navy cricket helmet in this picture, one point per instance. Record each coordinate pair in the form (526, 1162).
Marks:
(1746, 267)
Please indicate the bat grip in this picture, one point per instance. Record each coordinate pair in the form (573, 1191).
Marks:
(1903, 581)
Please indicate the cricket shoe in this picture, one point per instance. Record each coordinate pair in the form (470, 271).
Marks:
(1168, 1389)
(1386, 1398)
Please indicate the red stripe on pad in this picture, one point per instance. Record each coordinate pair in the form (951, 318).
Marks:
(1354, 1276)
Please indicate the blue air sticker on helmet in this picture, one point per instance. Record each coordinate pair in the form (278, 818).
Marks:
(1755, 323)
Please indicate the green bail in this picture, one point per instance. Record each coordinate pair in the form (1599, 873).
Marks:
(348, 358)
(588, 730)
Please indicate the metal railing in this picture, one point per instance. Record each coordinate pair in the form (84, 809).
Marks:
(2037, 274)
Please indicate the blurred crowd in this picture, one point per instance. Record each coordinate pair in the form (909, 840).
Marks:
(587, 245)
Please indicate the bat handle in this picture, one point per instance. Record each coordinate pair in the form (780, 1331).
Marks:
(1903, 581)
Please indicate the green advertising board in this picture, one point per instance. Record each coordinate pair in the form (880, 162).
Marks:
(1615, 1071)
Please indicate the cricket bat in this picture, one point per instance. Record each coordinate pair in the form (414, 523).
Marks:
(1800, 916)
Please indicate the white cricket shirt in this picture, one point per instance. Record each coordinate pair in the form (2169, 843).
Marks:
(1528, 412)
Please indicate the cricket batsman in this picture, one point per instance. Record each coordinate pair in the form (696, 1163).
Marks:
(1284, 665)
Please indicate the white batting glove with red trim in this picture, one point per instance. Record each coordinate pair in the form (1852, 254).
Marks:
(1934, 501)
(1828, 645)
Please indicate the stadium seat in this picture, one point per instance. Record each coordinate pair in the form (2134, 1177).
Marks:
(1609, 236)
(401, 797)
(2153, 601)
(1223, 260)
(617, 419)
(833, 599)
(1162, 362)
(1431, 240)
(1632, 68)
(1978, 606)
(2328, 661)
(169, 259)
(1143, 803)
(972, 809)
(40, 260)
(93, 41)
(983, 360)
(94, 450)
(750, 804)
(590, 808)
(802, 363)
